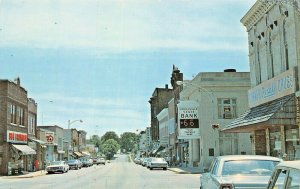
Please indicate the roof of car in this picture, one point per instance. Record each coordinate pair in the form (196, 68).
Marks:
(244, 157)
(290, 164)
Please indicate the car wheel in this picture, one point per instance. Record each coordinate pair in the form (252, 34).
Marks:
(165, 168)
(76, 168)
(151, 168)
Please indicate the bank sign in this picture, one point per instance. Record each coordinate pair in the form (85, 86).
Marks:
(188, 120)
(277, 87)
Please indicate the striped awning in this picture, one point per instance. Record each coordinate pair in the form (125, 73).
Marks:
(24, 149)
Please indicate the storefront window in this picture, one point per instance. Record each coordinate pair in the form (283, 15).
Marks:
(292, 141)
(275, 143)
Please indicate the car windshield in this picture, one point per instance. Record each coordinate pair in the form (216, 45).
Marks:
(158, 160)
(248, 167)
(72, 161)
(56, 163)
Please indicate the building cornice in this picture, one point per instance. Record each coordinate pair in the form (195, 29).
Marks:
(256, 12)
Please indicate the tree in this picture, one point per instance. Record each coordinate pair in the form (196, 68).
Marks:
(95, 139)
(110, 147)
(128, 141)
(110, 135)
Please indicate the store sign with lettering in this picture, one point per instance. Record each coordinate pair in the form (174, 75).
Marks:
(49, 137)
(277, 87)
(16, 137)
(188, 120)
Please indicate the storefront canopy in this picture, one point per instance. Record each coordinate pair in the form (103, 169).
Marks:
(78, 154)
(25, 150)
(37, 141)
(60, 151)
(281, 111)
(86, 153)
(160, 148)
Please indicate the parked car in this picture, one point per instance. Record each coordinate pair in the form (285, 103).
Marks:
(144, 163)
(86, 162)
(96, 161)
(74, 164)
(286, 175)
(57, 166)
(102, 161)
(137, 160)
(239, 171)
(158, 163)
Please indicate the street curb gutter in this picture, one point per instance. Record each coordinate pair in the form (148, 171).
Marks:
(182, 172)
(24, 176)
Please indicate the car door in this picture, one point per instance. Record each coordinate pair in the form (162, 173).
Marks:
(278, 178)
(208, 179)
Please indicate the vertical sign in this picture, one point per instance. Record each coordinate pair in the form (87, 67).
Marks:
(188, 120)
(49, 137)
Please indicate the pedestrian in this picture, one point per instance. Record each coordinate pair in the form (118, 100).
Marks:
(36, 164)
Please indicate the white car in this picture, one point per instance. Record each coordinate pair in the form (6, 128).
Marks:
(57, 166)
(286, 175)
(239, 172)
(157, 163)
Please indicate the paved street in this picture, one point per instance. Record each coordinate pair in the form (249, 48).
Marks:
(115, 175)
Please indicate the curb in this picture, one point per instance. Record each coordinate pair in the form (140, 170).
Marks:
(182, 171)
(24, 176)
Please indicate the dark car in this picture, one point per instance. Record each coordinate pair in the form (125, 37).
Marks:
(74, 164)
(86, 162)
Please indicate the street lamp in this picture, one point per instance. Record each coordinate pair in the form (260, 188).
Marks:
(71, 122)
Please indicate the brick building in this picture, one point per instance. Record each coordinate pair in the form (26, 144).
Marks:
(15, 154)
(158, 101)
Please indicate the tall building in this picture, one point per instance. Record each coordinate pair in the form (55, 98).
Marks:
(158, 101)
(15, 154)
(274, 50)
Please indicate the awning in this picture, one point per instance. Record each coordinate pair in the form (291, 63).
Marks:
(78, 154)
(160, 148)
(26, 150)
(281, 111)
(60, 151)
(37, 141)
(86, 153)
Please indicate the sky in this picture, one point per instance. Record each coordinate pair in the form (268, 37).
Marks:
(99, 61)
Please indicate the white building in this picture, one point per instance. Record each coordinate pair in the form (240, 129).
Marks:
(274, 50)
(220, 97)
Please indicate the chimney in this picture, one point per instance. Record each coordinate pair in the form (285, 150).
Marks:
(17, 81)
(230, 70)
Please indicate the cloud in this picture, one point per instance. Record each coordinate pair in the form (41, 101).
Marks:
(120, 26)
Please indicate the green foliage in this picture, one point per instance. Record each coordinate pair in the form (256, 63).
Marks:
(110, 147)
(95, 139)
(128, 141)
(110, 135)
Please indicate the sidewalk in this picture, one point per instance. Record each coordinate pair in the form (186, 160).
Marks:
(185, 170)
(26, 175)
